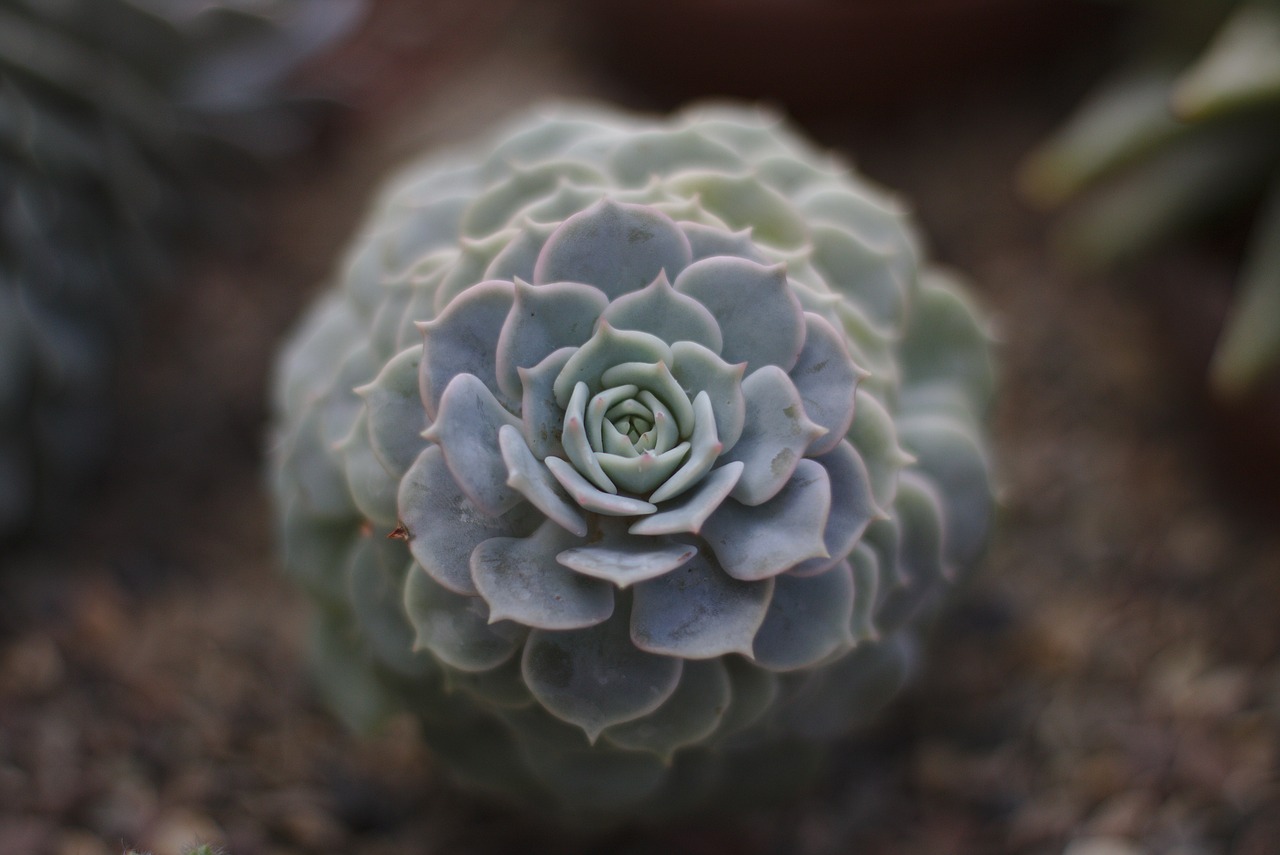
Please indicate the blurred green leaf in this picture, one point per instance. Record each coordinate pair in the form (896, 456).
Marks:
(1240, 69)
(1250, 343)
(1125, 120)
(1176, 187)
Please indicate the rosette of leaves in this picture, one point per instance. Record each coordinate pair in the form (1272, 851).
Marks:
(677, 444)
(101, 132)
(1187, 136)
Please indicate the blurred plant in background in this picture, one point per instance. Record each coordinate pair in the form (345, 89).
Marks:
(1186, 135)
(112, 115)
(241, 56)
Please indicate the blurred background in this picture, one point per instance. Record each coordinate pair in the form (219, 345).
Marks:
(179, 177)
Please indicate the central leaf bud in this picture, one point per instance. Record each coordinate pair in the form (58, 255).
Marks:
(630, 428)
(631, 434)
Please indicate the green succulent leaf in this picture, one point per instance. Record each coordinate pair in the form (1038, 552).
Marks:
(604, 350)
(587, 780)
(371, 486)
(443, 525)
(466, 430)
(519, 584)
(526, 475)
(515, 261)
(823, 377)
(920, 557)
(698, 611)
(542, 320)
(853, 508)
(376, 571)
(456, 628)
(477, 315)
(542, 416)
(688, 717)
(877, 220)
(752, 693)
(615, 246)
(958, 465)
(647, 154)
(866, 586)
(497, 205)
(776, 435)
(808, 621)
(707, 241)
(721, 283)
(864, 273)
(856, 689)
(696, 367)
(625, 559)
(596, 677)
(874, 436)
(744, 203)
(396, 416)
(755, 542)
(692, 509)
(590, 498)
(660, 311)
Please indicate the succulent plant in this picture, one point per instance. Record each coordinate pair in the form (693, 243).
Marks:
(1176, 142)
(97, 127)
(631, 457)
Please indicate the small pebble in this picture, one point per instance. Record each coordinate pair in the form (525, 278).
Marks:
(178, 830)
(24, 835)
(1122, 815)
(76, 842)
(31, 667)
(126, 807)
(310, 826)
(1101, 846)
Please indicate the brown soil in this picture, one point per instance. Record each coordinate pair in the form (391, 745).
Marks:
(1108, 684)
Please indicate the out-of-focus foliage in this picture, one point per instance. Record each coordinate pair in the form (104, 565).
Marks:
(106, 110)
(1180, 139)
